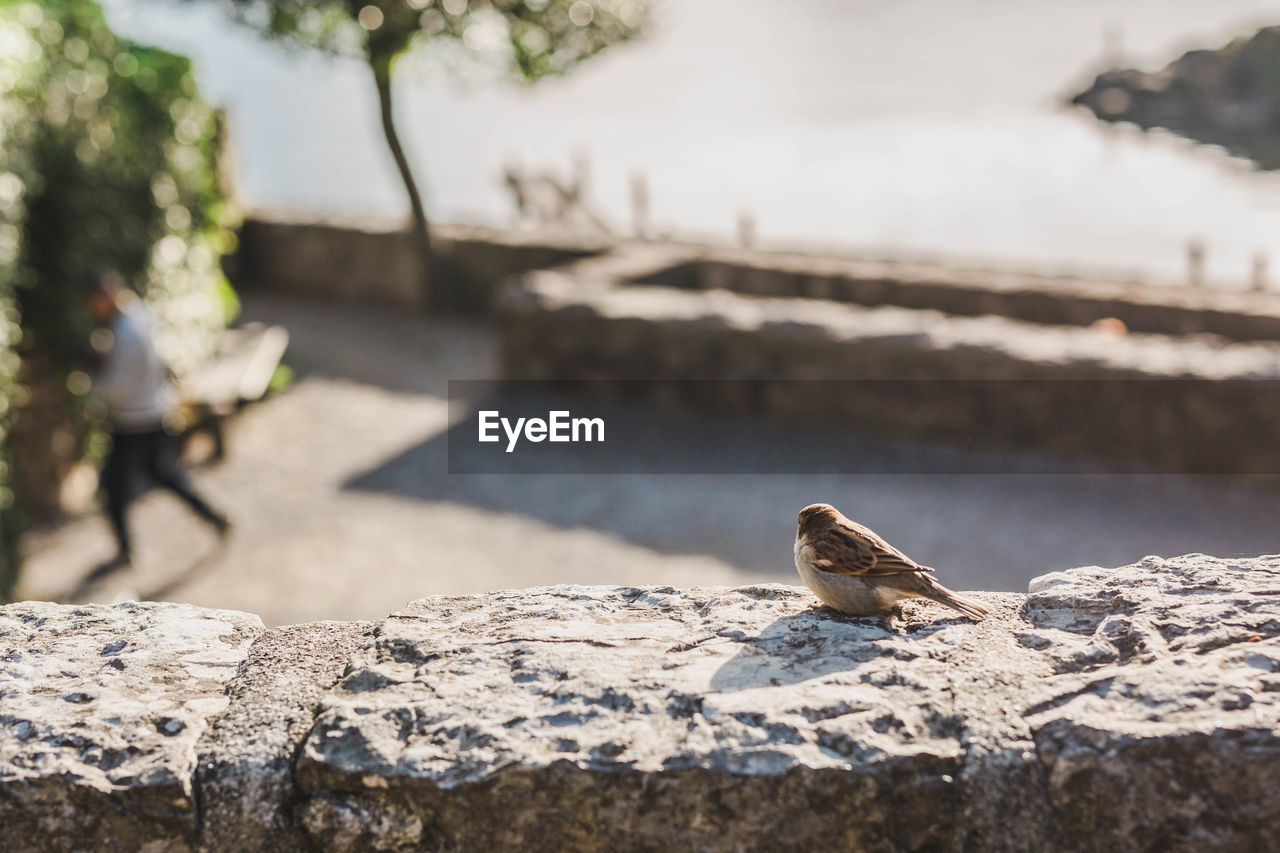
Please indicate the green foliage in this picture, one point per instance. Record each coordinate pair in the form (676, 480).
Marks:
(107, 161)
(529, 38)
(281, 378)
(523, 39)
(117, 158)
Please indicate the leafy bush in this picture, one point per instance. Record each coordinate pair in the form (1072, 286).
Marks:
(108, 160)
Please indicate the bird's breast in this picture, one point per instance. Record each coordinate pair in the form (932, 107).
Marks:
(851, 594)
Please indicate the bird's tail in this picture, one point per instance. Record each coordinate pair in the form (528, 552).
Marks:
(954, 600)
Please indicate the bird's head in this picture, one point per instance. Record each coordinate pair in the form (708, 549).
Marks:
(817, 517)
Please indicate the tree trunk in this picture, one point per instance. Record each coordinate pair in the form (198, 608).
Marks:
(421, 228)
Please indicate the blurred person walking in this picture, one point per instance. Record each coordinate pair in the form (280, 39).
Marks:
(134, 383)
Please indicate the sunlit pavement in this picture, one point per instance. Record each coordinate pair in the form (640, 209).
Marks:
(312, 541)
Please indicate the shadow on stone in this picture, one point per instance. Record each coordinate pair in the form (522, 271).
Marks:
(813, 644)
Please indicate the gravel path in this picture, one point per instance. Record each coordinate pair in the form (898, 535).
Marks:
(343, 509)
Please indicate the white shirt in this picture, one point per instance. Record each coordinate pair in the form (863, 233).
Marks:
(134, 381)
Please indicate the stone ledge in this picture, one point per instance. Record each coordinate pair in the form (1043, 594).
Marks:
(1121, 709)
(375, 262)
(857, 341)
(100, 711)
(371, 260)
(1169, 308)
(1191, 404)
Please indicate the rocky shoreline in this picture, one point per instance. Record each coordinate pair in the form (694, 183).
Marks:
(1228, 97)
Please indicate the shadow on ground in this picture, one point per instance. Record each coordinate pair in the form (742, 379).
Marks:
(346, 509)
(985, 520)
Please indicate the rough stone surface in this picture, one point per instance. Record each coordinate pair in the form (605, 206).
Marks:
(245, 775)
(100, 711)
(669, 718)
(1161, 729)
(1122, 709)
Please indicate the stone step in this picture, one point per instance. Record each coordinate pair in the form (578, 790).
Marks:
(1191, 403)
(1057, 300)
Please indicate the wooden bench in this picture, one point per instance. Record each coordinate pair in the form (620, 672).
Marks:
(239, 372)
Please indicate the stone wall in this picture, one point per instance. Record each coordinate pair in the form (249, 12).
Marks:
(1110, 709)
(374, 262)
(1053, 300)
(1199, 367)
(1152, 402)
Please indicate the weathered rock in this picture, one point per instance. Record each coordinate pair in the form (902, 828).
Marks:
(665, 717)
(739, 719)
(100, 711)
(1162, 730)
(1110, 709)
(245, 775)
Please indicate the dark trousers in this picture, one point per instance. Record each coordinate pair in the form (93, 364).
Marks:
(137, 461)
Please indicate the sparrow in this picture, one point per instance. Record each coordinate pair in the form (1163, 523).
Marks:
(853, 570)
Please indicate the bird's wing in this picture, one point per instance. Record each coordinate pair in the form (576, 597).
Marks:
(849, 548)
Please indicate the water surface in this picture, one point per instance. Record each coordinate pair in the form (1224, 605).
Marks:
(911, 127)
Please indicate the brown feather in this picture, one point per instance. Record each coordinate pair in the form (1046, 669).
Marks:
(862, 566)
(842, 546)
